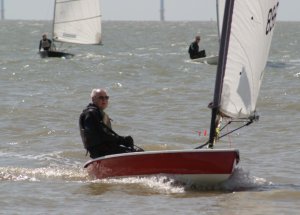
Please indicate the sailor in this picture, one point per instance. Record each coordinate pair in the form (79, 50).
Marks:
(95, 129)
(45, 43)
(194, 49)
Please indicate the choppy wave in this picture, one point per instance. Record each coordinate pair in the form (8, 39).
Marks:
(239, 181)
(41, 174)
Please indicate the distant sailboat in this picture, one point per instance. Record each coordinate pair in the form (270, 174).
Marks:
(213, 59)
(77, 22)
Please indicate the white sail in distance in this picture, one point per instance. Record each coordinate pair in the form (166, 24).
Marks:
(251, 33)
(77, 21)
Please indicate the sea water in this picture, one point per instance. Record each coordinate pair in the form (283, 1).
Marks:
(160, 98)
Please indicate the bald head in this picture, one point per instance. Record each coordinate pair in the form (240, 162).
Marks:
(95, 92)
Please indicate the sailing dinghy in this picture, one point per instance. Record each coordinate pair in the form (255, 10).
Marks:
(76, 22)
(213, 59)
(245, 43)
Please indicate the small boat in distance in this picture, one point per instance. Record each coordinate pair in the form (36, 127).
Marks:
(247, 33)
(58, 54)
(76, 22)
(213, 59)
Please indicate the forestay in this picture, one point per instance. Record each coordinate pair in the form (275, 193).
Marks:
(77, 21)
(249, 44)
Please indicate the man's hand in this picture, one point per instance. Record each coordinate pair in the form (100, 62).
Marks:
(128, 142)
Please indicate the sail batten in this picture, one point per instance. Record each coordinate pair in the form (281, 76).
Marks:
(77, 21)
(96, 17)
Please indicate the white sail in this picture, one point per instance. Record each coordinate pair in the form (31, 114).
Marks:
(251, 33)
(77, 21)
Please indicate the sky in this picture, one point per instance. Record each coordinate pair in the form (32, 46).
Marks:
(139, 10)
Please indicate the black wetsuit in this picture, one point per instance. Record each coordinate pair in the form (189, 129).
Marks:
(194, 51)
(45, 44)
(97, 137)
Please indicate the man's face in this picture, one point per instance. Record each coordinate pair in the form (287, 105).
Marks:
(101, 100)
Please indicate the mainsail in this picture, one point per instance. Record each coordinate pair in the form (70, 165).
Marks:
(77, 21)
(245, 43)
(250, 40)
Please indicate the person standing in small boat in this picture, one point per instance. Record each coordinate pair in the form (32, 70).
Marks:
(45, 43)
(95, 129)
(194, 49)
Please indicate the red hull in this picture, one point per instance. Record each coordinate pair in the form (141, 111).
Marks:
(206, 164)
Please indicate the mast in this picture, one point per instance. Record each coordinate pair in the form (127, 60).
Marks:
(162, 10)
(53, 21)
(218, 19)
(226, 28)
(2, 10)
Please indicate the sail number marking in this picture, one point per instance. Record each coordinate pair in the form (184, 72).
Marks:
(271, 18)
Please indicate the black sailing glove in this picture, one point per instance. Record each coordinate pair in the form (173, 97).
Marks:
(127, 141)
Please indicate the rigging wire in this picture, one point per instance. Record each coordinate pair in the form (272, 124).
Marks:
(229, 132)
